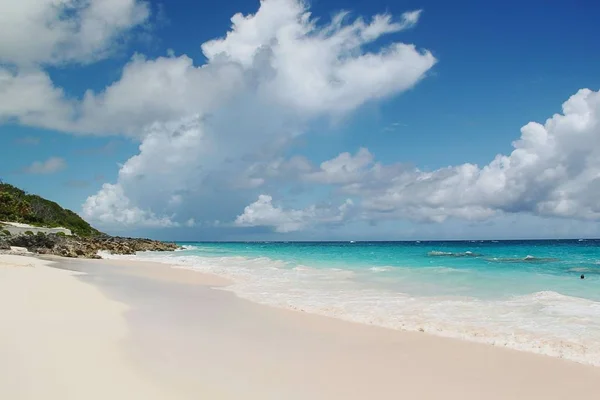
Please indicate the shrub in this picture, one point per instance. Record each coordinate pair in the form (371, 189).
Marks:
(61, 234)
(6, 232)
(28, 233)
(16, 205)
(40, 234)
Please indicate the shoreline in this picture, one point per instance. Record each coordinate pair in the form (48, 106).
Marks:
(185, 337)
(248, 286)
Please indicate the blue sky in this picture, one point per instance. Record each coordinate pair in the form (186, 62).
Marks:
(237, 155)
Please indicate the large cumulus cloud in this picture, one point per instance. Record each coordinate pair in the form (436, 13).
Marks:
(554, 170)
(56, 32)
(273, 74)
(213, 136)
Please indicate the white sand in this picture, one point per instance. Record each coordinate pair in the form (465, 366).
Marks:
(17, 224)
(179, 338)
(21, 225)
(60, 338)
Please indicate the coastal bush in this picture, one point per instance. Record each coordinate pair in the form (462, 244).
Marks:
(60, 234)
(28, 233)
(16, 205)
(6, 232)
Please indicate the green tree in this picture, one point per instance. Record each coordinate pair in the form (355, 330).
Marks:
(16, 205)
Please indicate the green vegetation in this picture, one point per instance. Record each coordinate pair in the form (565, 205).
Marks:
(28, 233)
(17, 205)
(6, 232)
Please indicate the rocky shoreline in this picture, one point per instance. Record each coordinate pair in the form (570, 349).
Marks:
(82, 247)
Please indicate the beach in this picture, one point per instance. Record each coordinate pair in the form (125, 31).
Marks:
(99, 329)
(523, 295)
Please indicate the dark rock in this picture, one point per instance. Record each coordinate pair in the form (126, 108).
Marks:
(84, 247)
(4, 245)
(33, 241)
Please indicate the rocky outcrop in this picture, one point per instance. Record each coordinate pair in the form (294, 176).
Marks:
(83, 247)
(4, 245)
(32, 241)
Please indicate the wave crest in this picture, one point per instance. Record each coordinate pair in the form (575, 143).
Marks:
(451, 254)
(526, 259)
(544, 322)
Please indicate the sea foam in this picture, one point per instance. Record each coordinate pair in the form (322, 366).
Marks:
(544, 322)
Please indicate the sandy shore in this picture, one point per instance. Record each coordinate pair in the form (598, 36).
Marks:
(79, 329)
(61, 338)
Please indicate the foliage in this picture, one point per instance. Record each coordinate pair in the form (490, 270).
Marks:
(6, 232)
(16, 205)
(28, 233)
(60, 234)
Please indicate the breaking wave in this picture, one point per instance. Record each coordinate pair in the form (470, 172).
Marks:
(544, 322)
(450, 254)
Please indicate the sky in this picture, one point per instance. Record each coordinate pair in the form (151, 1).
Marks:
(320, 120)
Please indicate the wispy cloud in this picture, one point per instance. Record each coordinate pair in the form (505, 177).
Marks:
(50, 166)
(394, 126)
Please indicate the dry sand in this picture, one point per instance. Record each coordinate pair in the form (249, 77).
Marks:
(61, 338)
(141, 331)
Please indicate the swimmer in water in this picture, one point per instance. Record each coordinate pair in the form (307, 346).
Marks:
(582, 276)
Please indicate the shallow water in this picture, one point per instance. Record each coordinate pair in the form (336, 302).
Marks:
(525, 295)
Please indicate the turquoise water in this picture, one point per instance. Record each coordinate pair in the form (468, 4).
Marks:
(526, 295)
(493, 268)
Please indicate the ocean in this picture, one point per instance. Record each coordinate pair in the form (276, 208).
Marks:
(524, 295)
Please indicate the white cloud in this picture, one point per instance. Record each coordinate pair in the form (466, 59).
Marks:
(321, 69)
(190, 223)
(212, 134)
(344, 168)
(277, 57)
(149, 91)
(263, 213)
(63, 31)
(554, 170)
(50, 166)
(161, 90)
(41, 33)
(30, 98)
(258, 173)
(210, 122)
(153, 181)
(112, 208)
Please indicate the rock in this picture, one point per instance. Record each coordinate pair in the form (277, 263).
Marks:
(18, 250)
(83, 247)
(33, 241)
